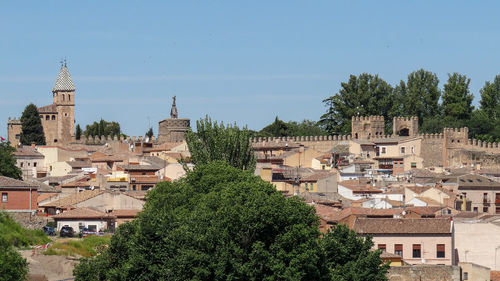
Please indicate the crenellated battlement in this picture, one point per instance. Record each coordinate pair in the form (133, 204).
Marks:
(109, 139)
(14, 121)
(301, 138)
(368, 118)
(406, 119)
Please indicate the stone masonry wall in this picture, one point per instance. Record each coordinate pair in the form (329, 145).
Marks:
(424, 272)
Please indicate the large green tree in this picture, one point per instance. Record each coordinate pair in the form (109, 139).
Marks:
(364, 95)
(8, 166)
(490, 98)
(32, 129)
(457, 100)
(222, 223)
(418, 96)
(215, 141)
(103, 128)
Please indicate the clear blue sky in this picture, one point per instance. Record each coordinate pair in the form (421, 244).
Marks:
(243, 61)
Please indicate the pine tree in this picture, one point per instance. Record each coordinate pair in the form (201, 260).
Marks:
(32, 129)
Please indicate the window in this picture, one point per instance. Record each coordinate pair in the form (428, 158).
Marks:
(412, 150)
(413, 164)
(475, 209)
(53, 117)
(22, 164)
(383, 150)
(29, 164)
(69, 97)
(5, 197)
(485, 209)
(417, 251)
(34, 164)
(134, 187)
(466, 275)
(403, 150)
(382, 247)
(47, 117)
(440, 251)
(92, 227)
(63, 97)
(398, 249)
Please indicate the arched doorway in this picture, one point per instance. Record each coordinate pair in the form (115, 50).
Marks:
(405, 132)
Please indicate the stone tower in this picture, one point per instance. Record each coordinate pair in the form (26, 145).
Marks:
(173, 128)
(405, 126)
(363, 127)
(58, 119)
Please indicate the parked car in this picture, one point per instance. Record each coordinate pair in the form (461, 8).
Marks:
(84, 232)
(66, 231)
(49, 231)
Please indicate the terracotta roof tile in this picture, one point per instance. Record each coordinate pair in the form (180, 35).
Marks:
(10, 182)
(402, 226)
(495, 275)
(125, 213)
(83, 213)
(27, 152)
(48, 109)
(74, 199)
(418, 189)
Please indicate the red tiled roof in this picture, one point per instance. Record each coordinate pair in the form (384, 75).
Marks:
(125, 213)
(83, 213)
(402, 226)
(48, 109)
(495, 275)
(358, 187)
(10, 182)
(74, 199)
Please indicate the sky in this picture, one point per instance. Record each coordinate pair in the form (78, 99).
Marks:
(235, 61)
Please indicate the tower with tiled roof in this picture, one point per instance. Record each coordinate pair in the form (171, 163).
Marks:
(64, 102)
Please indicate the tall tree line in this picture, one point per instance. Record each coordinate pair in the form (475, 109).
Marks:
(421, 96)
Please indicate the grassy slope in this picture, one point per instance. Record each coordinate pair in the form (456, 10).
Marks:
(18, 236)
(86, 247)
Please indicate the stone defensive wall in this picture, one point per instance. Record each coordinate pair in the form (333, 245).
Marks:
(368, 118)
(109, 140)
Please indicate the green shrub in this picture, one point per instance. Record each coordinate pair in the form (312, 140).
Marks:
(19, 236)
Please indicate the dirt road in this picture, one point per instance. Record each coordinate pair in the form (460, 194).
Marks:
(52, 267)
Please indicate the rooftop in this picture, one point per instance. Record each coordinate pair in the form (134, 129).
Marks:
(64, 81)
(83, 213)
(402, 226)
(6, 182)
(73, 199)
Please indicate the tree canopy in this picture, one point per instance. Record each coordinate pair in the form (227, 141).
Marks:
(280, 128)
(8, 166)
(457, 99)
(103, 128)
(32, 129)
(214, 141)
(361, 95)
(223, 223)
(418, 96)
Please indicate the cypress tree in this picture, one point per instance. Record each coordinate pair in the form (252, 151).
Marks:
(78, 132)
(32, 129)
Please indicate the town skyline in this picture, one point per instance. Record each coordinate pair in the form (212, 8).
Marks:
(223, 60)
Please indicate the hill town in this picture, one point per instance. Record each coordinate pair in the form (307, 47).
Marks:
(429, 201)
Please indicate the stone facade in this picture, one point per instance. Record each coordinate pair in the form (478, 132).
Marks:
(427, 272)
(173, 129)
(367, 127)
(452, 148)
(405, 126)
(58, 119)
